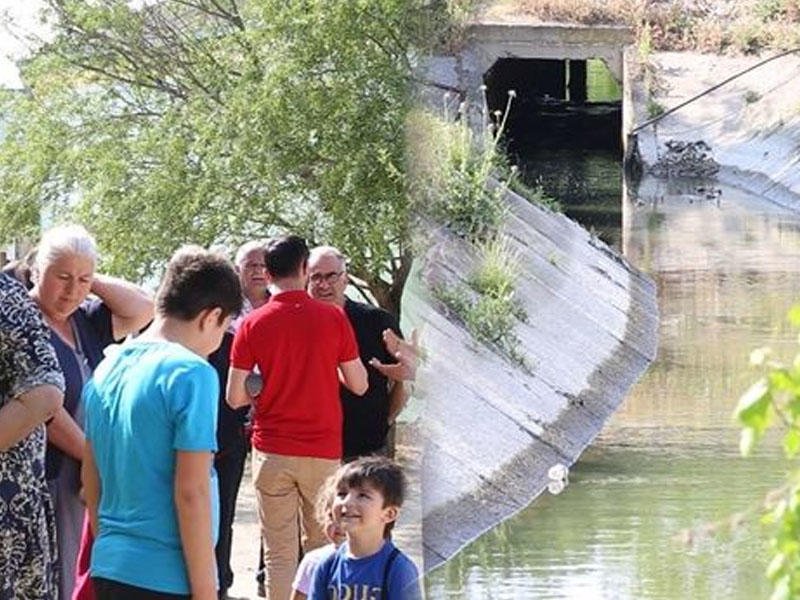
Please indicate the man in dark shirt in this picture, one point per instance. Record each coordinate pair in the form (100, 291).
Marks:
(368, 418)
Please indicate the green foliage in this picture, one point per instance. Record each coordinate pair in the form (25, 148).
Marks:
(497, 270)
(216, 122)
(487, 305)
(775, 400)
(768, 10)
(535, 194)
(453, 188)
(456, 167)
(644, 46)
(654, 108)
(454, 164)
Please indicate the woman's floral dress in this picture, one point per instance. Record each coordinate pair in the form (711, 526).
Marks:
(28, 556)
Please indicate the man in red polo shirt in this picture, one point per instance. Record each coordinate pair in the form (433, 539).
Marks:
(303, 349)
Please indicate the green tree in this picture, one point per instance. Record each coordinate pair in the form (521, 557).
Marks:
(774, 400)
(215, 121)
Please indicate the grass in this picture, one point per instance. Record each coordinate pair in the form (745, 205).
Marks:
(497, 269)
(654, 108)
(487, 305)
(453, 166)
(716, 26)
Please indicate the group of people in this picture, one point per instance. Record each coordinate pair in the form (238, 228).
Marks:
(146, 440)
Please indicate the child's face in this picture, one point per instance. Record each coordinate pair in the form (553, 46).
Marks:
(334, 531)
(361, 510)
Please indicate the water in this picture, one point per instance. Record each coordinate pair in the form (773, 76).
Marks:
(662, 506)
(590, 181)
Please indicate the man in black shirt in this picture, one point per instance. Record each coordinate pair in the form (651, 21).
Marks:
(367, 418)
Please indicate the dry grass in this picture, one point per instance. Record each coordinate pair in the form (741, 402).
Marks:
(588, 12)
(720, 26)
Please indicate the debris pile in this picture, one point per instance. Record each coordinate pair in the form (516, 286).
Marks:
(685, 159)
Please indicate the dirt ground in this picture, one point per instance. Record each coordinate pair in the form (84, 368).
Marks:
(408, 533)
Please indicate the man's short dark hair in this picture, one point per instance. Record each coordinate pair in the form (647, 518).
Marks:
(285, 256)
(378, 472)
(197, 280)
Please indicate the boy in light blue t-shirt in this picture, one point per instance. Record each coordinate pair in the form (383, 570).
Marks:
(369, 493)
(151, 417)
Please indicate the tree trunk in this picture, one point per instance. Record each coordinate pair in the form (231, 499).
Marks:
(389, 296)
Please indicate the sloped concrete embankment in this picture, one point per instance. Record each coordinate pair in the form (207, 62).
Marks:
(492, 430)
(752, 123)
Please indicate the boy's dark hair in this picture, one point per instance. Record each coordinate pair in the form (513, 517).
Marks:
(285, 256)
(379, 472)
(197, 280)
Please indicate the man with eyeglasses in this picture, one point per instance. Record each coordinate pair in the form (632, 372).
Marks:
(368, 418)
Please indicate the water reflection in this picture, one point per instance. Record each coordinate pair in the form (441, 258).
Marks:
(662, 506)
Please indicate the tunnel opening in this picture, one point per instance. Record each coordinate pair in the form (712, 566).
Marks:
(563, 131)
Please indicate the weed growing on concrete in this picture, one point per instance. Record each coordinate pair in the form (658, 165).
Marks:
(453, 165)
(654, 108)
(535, 194)
(738, 26)
(750, 97)
(458, 166)
(497, 270)
(487, 305)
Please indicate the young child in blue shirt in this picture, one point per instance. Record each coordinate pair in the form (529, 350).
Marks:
(151, 416)
(369, 494)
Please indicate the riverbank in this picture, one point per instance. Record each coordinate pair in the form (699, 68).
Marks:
(751, 124)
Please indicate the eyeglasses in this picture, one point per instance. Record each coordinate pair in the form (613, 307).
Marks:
(328, 278)
(254, 266)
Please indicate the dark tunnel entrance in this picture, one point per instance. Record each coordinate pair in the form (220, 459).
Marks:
(564, 133)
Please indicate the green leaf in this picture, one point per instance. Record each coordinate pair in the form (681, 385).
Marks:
(794, 315)
(753, 410)
(791, 442)
(781, 589)
(195, 125)
(747, 441)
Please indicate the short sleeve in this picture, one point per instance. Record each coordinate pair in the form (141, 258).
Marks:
(100, 318)
(319, 581)
(304, 576)
(404, 576)
(27, 359)
(241, 352)
(192, 392)
(348, 349)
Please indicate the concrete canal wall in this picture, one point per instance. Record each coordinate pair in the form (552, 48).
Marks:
(752, 124)
(491, 430)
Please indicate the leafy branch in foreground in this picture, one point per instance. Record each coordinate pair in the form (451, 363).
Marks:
(774, 400)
